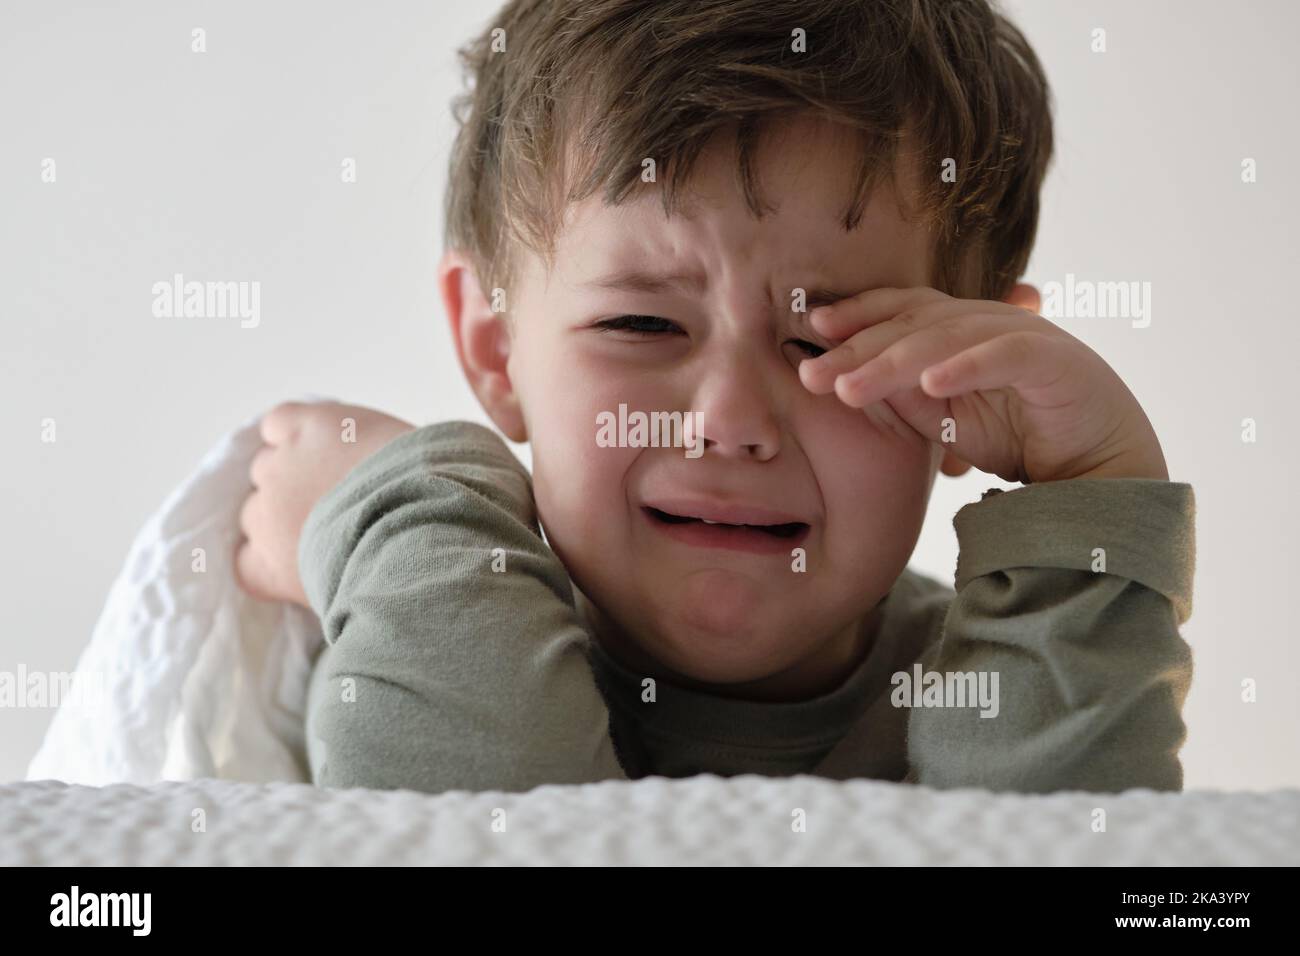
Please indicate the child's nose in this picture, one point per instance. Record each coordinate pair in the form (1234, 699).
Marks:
(738, 416)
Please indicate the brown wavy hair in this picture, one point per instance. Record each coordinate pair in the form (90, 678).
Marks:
(585, 89)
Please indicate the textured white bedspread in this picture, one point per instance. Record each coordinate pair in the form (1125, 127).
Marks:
(703, 820)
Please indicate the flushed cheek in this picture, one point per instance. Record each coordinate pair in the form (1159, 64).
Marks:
(875, 488)
(580, 487)
(565, 438)
(584, 521)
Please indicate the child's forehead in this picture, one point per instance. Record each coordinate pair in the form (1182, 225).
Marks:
(806, 172)
(801, 236)
(803, 159)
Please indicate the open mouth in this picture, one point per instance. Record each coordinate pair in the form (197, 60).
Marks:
(790, 530)
(757, 536)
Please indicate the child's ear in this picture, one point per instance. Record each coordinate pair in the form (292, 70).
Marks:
(1025, 296)
(483, 342)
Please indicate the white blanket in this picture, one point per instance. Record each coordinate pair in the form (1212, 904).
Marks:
(186, 676)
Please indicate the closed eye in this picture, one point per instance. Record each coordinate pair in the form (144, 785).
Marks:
(650, 325)
(813, 350)
(637, 325)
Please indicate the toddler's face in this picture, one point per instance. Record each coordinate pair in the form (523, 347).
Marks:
(677, 597)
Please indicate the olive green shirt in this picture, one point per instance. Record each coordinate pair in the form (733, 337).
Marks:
(451, 665)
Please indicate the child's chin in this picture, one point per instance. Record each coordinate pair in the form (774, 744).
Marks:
(721, 604)
(727, 636)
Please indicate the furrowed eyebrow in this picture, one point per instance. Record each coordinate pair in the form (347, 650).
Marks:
(652, 283)
(637, 280)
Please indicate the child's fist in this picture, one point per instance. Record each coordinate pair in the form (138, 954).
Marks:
(307, 450)
(1028, 401)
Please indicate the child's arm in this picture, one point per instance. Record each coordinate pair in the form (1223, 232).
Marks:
(1071, 589)
(455, 659)
(1071, 592)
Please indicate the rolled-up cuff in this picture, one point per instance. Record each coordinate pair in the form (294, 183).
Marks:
(1146, 528)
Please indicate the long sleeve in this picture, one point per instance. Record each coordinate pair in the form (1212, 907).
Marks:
(454, 658)
(1091, 669)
